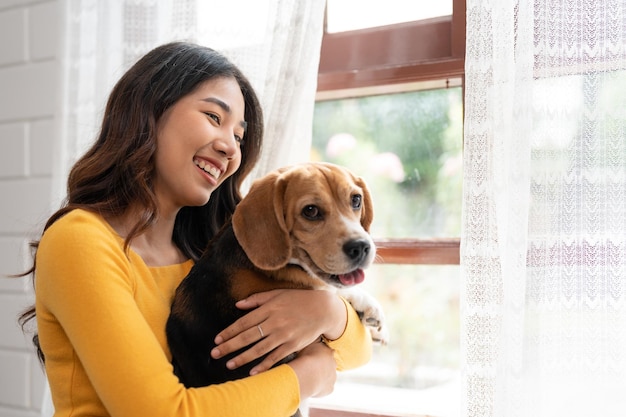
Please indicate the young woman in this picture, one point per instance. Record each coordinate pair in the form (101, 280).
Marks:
(181, 130)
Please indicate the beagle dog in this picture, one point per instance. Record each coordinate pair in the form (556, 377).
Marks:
(303, 226)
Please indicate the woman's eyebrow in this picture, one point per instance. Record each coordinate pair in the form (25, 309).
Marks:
(224, 107)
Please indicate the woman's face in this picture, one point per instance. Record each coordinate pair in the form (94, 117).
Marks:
(198, 143)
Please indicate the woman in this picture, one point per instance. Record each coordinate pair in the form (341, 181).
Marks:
(181, 130)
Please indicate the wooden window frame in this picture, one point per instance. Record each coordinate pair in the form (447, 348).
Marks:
(403, 53)
(414, 52)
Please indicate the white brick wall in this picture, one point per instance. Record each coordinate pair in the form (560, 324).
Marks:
(29, 42)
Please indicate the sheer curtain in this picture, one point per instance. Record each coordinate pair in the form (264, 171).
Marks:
(543, 253)
(275, 42)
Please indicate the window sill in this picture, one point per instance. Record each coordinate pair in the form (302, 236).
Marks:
(359, 400)
(419, 251)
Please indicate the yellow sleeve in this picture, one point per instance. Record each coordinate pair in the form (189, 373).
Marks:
(354, 347)
(96, 324)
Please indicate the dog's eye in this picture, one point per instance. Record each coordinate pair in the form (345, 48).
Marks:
(356, 201)
(312, 212)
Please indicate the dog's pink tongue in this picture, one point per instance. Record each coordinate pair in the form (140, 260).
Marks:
(352, 278)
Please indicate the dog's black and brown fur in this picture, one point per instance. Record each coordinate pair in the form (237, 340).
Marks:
(304, 226)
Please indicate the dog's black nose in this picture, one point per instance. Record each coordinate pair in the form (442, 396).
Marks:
(356, 249)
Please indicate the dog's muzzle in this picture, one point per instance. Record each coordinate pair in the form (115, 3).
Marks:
(357, 250)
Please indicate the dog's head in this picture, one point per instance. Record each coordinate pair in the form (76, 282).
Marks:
(314, 215)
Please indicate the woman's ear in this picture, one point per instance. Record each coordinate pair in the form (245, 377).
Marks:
(259, 224)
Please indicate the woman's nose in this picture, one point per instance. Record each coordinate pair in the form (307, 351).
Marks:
(227, 145)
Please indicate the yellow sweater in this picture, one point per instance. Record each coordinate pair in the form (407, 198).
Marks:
(101, 320)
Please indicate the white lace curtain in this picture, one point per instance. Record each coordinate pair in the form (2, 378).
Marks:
(543, 253)
(275, 42)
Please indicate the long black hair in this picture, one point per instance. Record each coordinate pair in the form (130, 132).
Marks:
(117, 171)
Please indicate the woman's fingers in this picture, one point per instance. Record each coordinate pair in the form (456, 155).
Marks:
(280, 323)
(263, 341)
(250, 320)
(239, 335)
(271, 359)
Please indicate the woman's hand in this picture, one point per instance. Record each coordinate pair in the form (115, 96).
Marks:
(316, 370)
(282, 322)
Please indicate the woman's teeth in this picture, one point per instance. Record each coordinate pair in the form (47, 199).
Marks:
(211, 170)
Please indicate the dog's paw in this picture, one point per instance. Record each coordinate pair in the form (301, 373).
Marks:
(370, 311)
(373, 318)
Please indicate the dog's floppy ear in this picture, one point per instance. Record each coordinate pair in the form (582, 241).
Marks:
(367, 211)
(259, 224)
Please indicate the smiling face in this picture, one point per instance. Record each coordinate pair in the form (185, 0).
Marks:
(199, 144)
(315, 216)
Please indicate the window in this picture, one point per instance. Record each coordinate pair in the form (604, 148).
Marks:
(430, 51)
(341, 16)
(390, 107)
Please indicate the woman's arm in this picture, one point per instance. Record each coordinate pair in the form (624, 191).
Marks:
(291, 320)
(101, 325)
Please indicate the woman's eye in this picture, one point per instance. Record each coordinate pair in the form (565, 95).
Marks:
(311, 212)
(356, 201)
(214, 116)
(239, 139)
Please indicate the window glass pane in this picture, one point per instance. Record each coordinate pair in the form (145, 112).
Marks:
(419, 368)
(407, 146)
(344, 15)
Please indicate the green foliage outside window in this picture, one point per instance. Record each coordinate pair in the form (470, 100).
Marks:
(408, 148)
